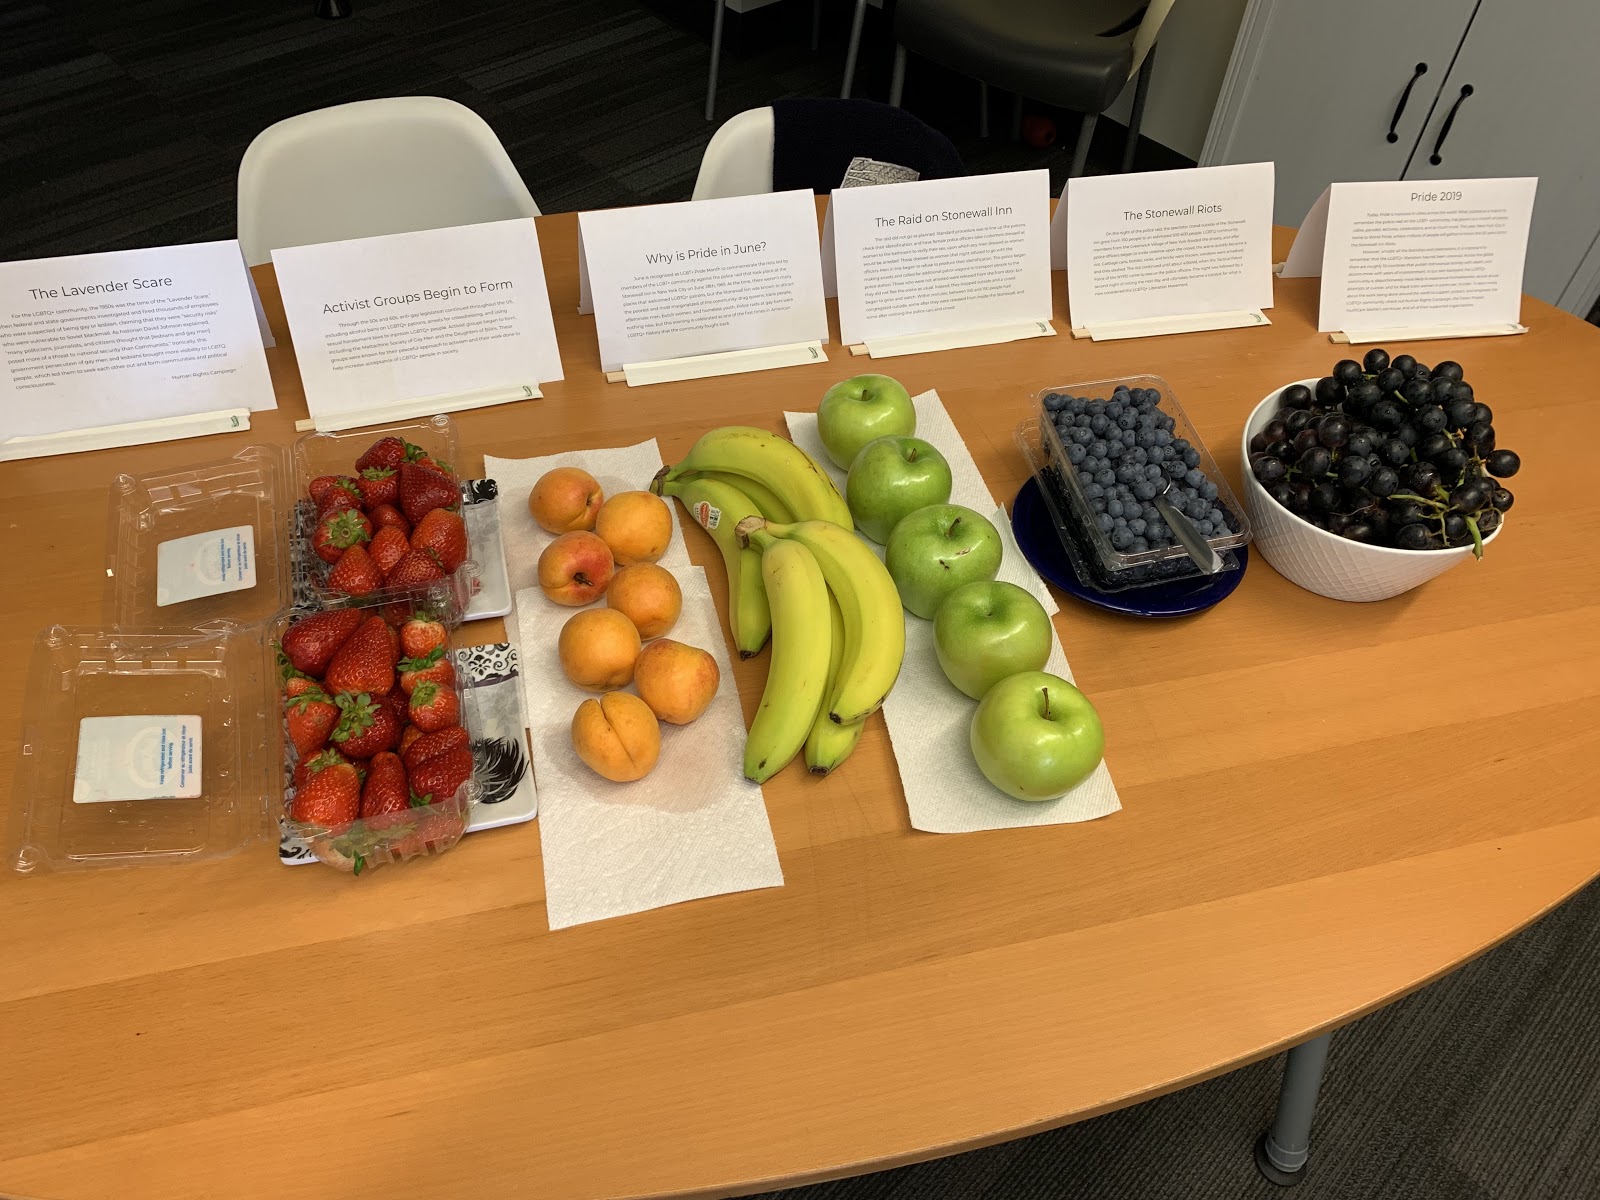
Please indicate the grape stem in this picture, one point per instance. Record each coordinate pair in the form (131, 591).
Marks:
(1477, 537)
(1418, 499)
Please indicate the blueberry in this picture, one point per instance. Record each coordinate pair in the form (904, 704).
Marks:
(1152, 472)
(1156, 453)
(1093, 490)
(1180, 444)
(1174, 468)
(1054, 402)
(1208, 490)
(1191, 457)
(1166, 422)
(1097, 449)
(1145, 491)
(1139, 546)
(1121, 539)
(1114, 507)
(1203, 527)
(1137, 526)
(1194, 479)
(1128, 420)
(1163, 437)
(1218, 518)
(1129, 437)
(1105, 478)
(1074, 453)
(1103, 521)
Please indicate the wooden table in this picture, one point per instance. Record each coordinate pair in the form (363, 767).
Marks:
(1320, 815)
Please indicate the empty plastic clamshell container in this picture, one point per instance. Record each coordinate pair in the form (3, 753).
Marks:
(1077, 502)
(161, 738)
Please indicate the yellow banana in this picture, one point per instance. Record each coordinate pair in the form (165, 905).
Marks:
(874, 624)
(797, 675)
(828, 744)
(791, 474)
(766, 500)
(718, 508)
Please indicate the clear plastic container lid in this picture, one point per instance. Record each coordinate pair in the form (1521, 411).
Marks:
(209, 543)
(145, 746)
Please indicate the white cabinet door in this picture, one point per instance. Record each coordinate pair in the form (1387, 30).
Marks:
(1316, 86)
(1521, 91)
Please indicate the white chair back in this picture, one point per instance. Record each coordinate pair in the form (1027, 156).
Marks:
(738, 159)
(373, 167)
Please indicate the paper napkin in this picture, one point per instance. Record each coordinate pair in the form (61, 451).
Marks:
(618, 469)
(926, 714)
(693, 827)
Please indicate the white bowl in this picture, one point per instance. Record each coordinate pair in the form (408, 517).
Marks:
(1324, 562)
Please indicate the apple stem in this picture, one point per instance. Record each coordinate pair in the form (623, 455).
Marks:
(1046, 713)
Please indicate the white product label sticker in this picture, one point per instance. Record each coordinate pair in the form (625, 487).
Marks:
(137, 758)
(708, 515)
(205, 564)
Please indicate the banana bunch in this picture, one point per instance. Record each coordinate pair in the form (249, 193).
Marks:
(851, 634)
(797, 574)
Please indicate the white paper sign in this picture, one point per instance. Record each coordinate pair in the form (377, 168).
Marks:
(1169, 243)
(703, 277)
(1409, 253)
(137, 758)
(438, 313)
(942, 255)
(132, 335)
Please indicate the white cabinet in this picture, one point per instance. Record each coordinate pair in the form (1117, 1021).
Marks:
(1372, 89)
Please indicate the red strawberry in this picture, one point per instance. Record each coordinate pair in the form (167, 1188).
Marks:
(388, 544)
(365, 663)
(355, 574)
(418, 832)
(398, 703)
(310, 643)
(434, 706)
(298, 685)
(423, 489)
(386, 789)
(366, 726)
(394, 643)
(387, 514)
(378, 485)
(337, 531)
(435, 780)
(410, 735)
(330, 798)
(432, 667)
(431, 745)
(311, 717)
(421, 634)
(385, 452)
(444, 533)
(323, 758)
(414, 567)
(337, 492)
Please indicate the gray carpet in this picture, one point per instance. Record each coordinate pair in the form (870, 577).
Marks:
(122, 123)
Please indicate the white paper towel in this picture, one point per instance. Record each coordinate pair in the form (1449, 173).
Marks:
(693, 827)
(618, 469)
(926, 714)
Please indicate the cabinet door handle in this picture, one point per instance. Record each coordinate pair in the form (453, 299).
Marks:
(1449, 120)
(1392, 137)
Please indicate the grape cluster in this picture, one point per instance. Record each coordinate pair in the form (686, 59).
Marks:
(1124, 452)
(1388, 452)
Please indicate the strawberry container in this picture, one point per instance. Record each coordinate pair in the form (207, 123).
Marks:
(161, 737)
(318, 454)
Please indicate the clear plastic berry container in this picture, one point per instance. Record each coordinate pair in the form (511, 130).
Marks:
(161, 737)
(1066, 488)
(317, 454)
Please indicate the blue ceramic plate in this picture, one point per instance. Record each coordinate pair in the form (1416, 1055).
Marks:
(1041, 546)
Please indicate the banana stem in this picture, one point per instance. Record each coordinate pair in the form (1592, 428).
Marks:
(659, 480)
(753, 530)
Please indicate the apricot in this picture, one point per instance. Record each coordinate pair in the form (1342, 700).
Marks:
(576, 569)
(565, 499)
(598, 649)
(636, 525)
(617, 736)
(649, 596)
(676, 680)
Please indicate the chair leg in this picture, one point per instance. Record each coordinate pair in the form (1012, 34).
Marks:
(1080, 152)
(816, 25)
(983, 109)
(716, 57)
(854, 49)
(1141, 88)
(1016, 117)
(897, 81)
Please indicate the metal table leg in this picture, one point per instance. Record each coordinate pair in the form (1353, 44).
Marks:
(1282, 1150)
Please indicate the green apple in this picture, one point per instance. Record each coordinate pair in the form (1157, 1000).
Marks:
(892, 477)
(858, 410)
(935, 550)
(1035, 736)
(987, 631)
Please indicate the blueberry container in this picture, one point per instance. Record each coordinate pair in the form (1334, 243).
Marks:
(1059, 455)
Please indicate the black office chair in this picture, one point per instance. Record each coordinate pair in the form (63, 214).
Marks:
(1075, 54)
